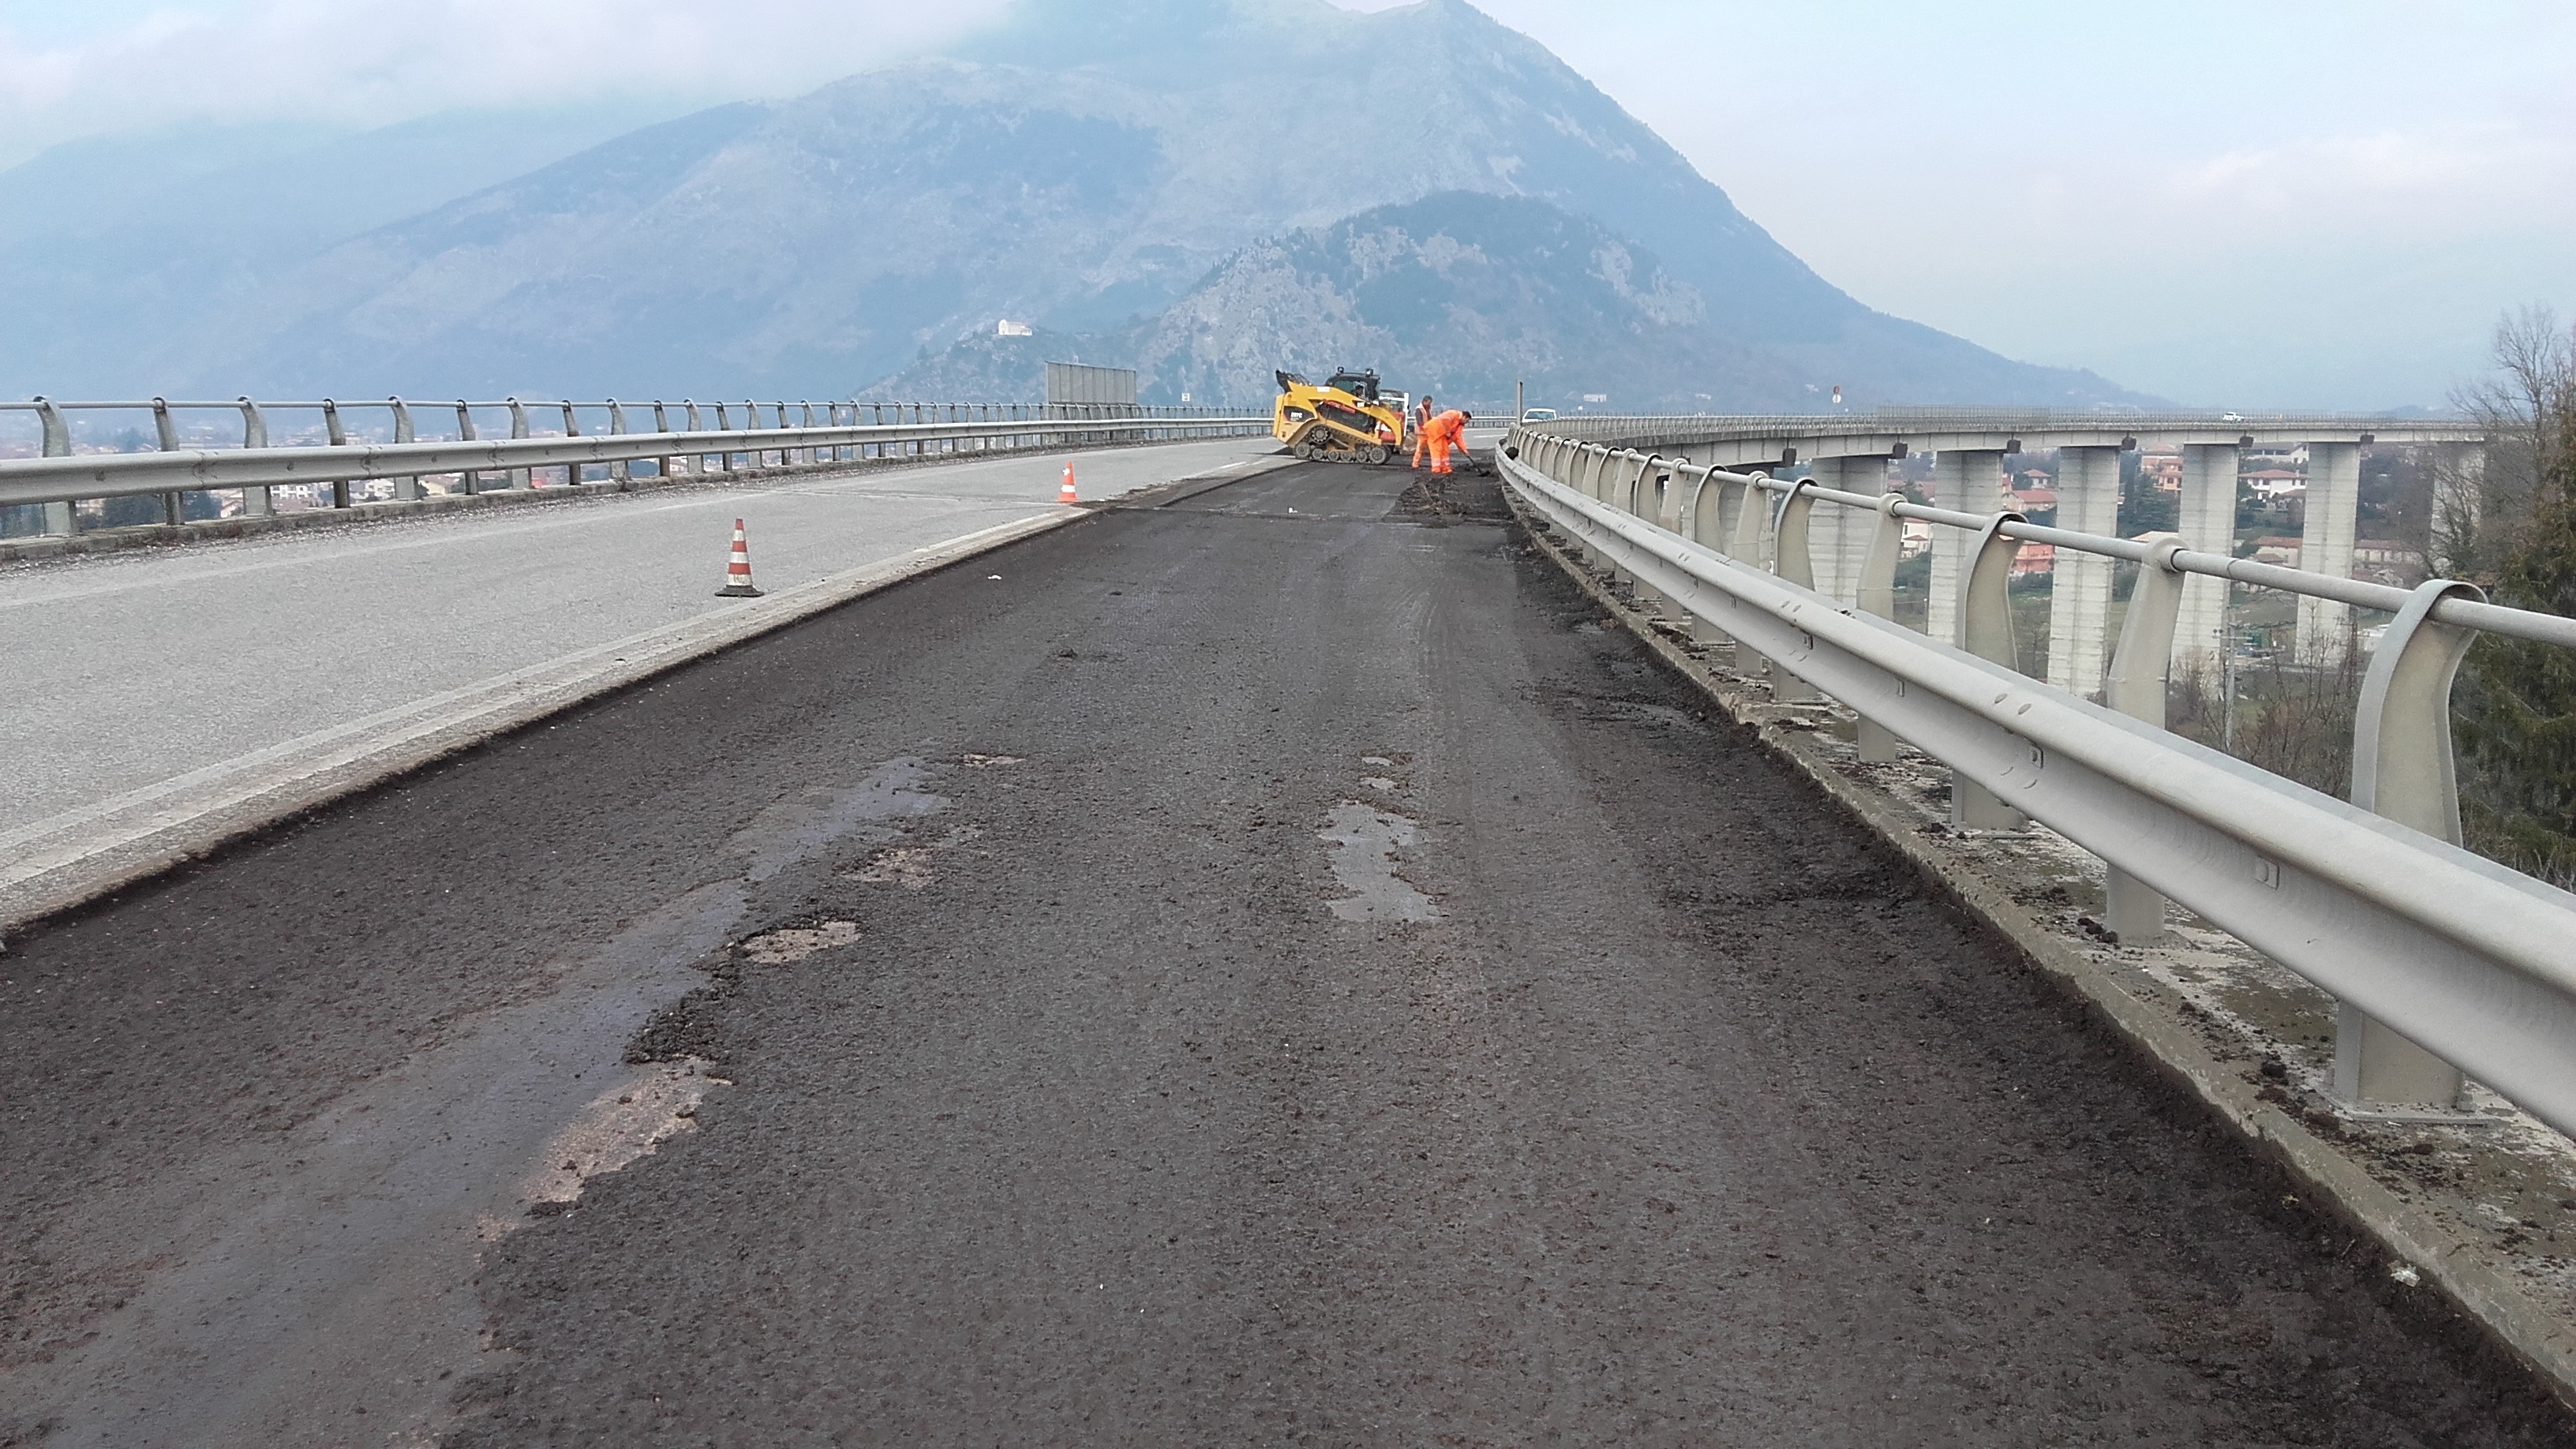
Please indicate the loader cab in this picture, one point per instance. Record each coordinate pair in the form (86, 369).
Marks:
(1361, 385)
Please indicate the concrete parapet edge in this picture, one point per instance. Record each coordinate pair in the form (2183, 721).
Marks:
(2542, 1340)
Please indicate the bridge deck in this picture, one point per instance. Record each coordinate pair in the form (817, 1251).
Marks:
(1265, 969)
(137, 678)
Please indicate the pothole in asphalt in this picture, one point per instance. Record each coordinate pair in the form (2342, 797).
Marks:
(1365, 840)
(650, 1106)
(909, 866)
(795, 943)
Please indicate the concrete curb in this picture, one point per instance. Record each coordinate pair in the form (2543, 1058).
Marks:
(72, 859)
(2539, 1337)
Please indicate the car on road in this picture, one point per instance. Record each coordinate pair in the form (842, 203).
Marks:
(1538, 415)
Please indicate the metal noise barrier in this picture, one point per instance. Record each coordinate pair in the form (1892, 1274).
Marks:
(2472, 961)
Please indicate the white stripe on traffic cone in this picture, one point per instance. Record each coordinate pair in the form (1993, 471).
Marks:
(1066, 493)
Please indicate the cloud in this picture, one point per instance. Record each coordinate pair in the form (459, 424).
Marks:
(2464, 167)
(381, 61)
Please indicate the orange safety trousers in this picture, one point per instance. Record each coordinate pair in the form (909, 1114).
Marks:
(1440, 444)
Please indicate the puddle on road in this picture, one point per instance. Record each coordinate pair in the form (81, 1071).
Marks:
(1364, 840)
(333, 1268)
(794, 828)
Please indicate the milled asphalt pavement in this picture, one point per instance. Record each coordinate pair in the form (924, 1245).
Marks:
(1277, 968)
(129, 668)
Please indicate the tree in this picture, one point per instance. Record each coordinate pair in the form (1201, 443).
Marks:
(2515, 707)
(2480, 511)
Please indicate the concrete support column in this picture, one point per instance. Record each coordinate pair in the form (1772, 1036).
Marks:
(2079, 607)
(1968, 481)
(1839, 536)
(2325, 547)
(2459, 490)
(2208, 525)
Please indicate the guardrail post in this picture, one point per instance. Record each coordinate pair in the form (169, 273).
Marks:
(338, 437)
(662, 426)
(1750, 516)
(468, 480)
(619, 472)
(1875, 593)
(519, 477)
(1793, 561)
(724, 424)
(1625, 485)
(751, 456)
(697, 462)
(62, 519)
(406, 490)
(2136, 686)
(1752, 512)
(1701, 519)
(165, 431)
(1986, 630)
(256, 502)
(572, 429)
(2403, 769)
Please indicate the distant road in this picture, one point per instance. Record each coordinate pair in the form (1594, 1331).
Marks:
(1276, 968)
(149, 685)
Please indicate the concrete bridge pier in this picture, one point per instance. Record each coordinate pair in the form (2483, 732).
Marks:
(2079, 611)
(2325, 547)
(2459, 477)
(1966, 479)
(1839, 537)
(2208, 525)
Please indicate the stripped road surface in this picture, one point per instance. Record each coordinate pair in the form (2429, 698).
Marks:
(1271, 968)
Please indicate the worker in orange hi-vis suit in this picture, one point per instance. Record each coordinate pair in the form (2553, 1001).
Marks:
(1447, 431)
(1421, 429)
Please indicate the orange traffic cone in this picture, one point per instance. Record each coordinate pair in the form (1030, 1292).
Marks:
(1066, 493)
(738, 569)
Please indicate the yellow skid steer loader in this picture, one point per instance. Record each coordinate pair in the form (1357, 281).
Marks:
(1347, 420)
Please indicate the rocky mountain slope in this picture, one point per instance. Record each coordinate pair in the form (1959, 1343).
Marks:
(126, 261)
(1088, 167)
(1466, 294)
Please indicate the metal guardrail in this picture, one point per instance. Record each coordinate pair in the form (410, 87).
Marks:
(1627, 429)
(61, 477)
(2473, 965)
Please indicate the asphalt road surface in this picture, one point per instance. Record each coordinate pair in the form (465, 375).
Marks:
(279, 637)
(1271, 969)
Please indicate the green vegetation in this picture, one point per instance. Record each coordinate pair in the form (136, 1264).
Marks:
(2514, 531)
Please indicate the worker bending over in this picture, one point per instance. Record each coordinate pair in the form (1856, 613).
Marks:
(1445, 432)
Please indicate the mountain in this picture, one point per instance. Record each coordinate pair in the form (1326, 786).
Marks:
(123, 258)
(1087, 167)
(1465, 294)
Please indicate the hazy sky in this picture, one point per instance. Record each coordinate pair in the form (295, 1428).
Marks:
(2251, 203)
